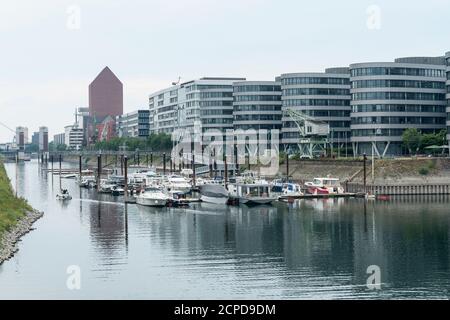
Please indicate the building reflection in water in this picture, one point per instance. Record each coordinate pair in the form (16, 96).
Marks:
(327, 236)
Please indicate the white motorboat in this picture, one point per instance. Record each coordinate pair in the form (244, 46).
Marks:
(106, 186)
(64, 195)
(292, 190)
(214, 193)
(88, 182)
(117, 191)
(152, 197)
(176, 183)
(69, 176)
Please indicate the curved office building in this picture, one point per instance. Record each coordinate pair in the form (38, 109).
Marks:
(447, 56)
(387, 98)
(325, 96)
(257, 105)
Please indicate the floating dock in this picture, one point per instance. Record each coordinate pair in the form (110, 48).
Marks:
(322, 196)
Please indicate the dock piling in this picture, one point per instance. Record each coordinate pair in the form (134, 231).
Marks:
(193, 170)
(164, 164)
(99, 170)
(126, 177)
(79, 167)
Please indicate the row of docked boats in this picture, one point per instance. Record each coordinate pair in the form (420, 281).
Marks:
(148, 188)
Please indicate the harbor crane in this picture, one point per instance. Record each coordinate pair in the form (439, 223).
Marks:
(313, 133)
(5, 126)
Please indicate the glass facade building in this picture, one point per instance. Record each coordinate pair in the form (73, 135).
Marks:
(325, 96)
(208, 100)
(387, 98)
(133, 124)
(447, 56)
(257, 105)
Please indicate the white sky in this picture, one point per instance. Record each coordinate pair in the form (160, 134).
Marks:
(46, 64)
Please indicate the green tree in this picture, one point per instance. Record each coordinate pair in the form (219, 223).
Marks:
(412, 139)
(61, 147)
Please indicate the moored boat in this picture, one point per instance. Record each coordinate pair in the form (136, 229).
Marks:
(252, 193)
(152, 197)
(214, 193)
(324, 186)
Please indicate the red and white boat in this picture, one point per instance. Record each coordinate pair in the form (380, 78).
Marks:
(324, 186)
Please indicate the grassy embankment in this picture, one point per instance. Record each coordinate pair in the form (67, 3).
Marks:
(11, 208)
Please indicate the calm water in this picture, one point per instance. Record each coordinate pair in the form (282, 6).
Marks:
(310, 249)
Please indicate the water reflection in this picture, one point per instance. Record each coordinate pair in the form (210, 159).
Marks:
(310, 248)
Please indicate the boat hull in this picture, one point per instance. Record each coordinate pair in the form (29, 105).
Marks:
(256, 200)
(148, 202)
(215, 200)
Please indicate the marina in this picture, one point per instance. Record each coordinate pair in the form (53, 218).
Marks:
(305, 248)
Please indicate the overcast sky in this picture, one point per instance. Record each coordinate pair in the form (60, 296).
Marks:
(51, 50)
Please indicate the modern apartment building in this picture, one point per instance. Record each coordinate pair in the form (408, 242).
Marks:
(21, 137)
(207, 100)
(73, 137)
(43, 139)
(134, 124)
(324, 96)
(59, 139)
(389, 97)
(257, 105)
(447, 56)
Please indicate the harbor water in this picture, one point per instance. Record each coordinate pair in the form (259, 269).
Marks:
(308, 249)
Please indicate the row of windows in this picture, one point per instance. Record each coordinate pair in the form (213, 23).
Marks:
(257, 88)
(213, 112)
(373, 132)
(380, 71)
(316, 102)
(258, 117)
(398, 120)
(314, 80)
(195, 87)
(256, 98)
(217, 103)
(398, 84)
(257, 126)
(257, 108)
(397, 108)
(217, 121)
(208, 95)
(315, 91)
(398, 96)
(333, 124)
(167, 115)
(335, 135)
(326, 113)
(165, 109)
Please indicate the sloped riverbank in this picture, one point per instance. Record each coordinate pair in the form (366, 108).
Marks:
(16, 218)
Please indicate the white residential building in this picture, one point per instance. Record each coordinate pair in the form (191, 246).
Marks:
(74, 137)
(209, 100)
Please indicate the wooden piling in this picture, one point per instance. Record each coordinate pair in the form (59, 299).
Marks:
(287, 167)
(125, 160)
(193, 170)
(60, 160)
(226, 172)
(164, 164)
(79, 167)
(99, 170)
